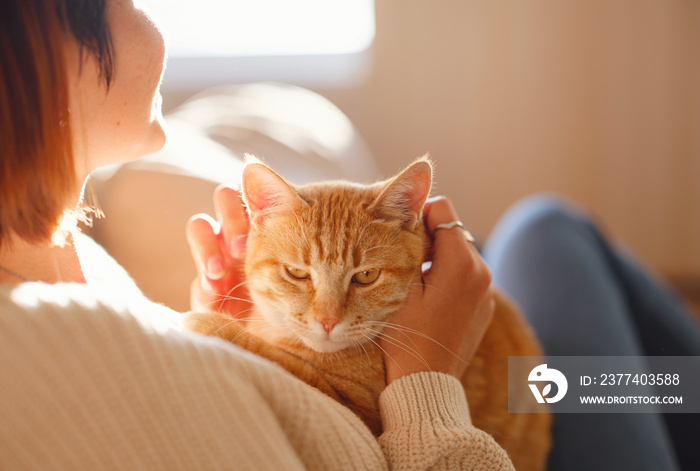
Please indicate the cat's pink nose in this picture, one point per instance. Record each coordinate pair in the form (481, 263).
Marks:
(328, 323)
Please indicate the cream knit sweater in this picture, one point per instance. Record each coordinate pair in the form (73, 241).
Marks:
(96, 377)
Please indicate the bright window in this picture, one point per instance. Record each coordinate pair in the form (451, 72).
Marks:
(268, 35)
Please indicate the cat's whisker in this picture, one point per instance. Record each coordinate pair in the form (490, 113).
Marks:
(227, 296)
(246, 311)
(242, 283)
(290, 342)
(382, 331)
(403, 346)
(407, 330)
(431, 287)
(244, 331)
(250, 325)
(361, 345)
(369, 326)
(386, 354)
(218, 301)
(232, 321)
(224, 297)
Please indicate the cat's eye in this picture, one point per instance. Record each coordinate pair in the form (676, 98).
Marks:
(366, 277)
(297, 274)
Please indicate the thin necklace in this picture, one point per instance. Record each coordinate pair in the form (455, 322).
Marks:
(14, 273)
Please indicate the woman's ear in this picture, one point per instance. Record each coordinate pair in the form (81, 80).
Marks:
(403, 196)
(264, 192)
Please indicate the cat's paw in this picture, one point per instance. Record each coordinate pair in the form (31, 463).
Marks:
(211, 323)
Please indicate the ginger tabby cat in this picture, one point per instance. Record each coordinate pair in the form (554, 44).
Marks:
(327, 264)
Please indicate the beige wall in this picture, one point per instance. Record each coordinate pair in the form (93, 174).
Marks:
(598, 100)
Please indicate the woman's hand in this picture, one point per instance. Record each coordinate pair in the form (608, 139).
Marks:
(218, 249)
(447, 312)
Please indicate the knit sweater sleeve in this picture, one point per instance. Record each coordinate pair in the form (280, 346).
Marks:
(427, 426)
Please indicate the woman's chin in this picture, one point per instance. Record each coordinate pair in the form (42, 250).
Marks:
(153, 143)
(161, 135)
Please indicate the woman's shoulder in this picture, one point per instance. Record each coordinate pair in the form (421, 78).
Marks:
(72, 304)
(39, 320)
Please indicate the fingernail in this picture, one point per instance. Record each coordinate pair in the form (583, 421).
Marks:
(238, 245)
(215, 268)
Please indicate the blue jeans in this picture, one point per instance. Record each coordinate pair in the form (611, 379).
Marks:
(583, 297)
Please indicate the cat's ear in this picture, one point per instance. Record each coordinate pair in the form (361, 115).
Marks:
(403, 196)
(265, 192)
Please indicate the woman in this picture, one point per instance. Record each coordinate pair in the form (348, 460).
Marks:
(93, 376)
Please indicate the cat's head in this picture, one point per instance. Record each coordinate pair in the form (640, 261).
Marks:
(328, 262)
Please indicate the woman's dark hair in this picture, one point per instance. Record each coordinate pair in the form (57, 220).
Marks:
(37, 172)
(87, 22)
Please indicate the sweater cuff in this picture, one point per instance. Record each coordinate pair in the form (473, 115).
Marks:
(424, 397)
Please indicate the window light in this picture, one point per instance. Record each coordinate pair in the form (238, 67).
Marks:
(268, 35)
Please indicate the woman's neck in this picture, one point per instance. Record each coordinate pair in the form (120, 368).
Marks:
(40, 261)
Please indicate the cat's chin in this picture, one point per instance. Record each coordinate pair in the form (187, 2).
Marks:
(326, 345)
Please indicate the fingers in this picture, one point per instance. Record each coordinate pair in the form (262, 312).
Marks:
(218, 249)
(209, 239)
(232, 218)
(202, 235)
(453, 257)
(437, 211)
